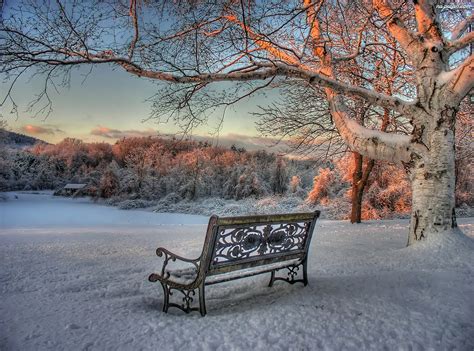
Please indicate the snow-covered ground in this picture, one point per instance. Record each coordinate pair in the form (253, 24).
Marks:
(73, 276)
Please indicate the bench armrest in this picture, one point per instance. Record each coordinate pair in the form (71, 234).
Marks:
(169, 256)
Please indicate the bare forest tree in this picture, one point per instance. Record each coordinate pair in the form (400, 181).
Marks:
(303, 117)
(191, 44)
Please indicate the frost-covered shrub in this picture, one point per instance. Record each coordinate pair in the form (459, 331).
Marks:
(388, 194)
(128, 181)
(137, 203)
(465, 211)
(464, 165)
(295, 187)
(338, 208)
(114, 200)
(250, 184)
(464, 182)
(109, 184)
(168, 201)
(279, 179)
(288, 204)
(323, 187)
(295, 184)
(172, 198)
(5, 168)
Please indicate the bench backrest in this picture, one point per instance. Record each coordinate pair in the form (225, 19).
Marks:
(235, 243)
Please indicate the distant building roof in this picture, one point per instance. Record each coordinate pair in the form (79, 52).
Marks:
(74, 186)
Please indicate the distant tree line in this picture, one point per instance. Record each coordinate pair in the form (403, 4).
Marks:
(150, 169)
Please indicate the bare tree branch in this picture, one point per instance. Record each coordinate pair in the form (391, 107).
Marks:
(459, 44)
(396, 27)
(461, 27)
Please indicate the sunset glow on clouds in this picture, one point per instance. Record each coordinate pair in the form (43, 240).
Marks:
(39, 130)
(96, 112)
(250, 143)
(107, 134)
(118, 134)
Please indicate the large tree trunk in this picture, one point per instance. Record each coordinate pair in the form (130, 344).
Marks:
(433, 183)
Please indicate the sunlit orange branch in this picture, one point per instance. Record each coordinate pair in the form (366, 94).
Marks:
(425, 17)
(314, 32)
(396, 27)
(260, 41)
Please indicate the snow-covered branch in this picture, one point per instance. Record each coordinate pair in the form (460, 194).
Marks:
(460, 80)
(371, 143)
(374, 98)
(267, 70)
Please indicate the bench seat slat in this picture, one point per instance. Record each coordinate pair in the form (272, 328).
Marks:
(188, 275)
(243, 273)
(255, 262)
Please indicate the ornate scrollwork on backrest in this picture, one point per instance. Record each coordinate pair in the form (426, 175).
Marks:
(246, 242)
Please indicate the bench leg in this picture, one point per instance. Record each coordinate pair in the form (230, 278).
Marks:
(272, 279)
(166, 297)
(292, 273)
(305, 272)
(202, 299)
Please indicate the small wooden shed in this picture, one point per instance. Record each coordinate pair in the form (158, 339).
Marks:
(72, 189)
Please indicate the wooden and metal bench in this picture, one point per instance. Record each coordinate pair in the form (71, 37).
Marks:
(239, 247)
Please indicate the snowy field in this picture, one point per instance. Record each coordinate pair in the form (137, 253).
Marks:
(73, 276)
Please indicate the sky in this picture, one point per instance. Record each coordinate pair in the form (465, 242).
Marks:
(111, 104)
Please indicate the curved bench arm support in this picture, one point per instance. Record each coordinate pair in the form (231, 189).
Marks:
(164, 275)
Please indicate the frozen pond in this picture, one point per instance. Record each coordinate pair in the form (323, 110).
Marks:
(34, 210)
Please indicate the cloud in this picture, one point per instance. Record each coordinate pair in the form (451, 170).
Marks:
(250, 143)
(110, 133)
(36, 130)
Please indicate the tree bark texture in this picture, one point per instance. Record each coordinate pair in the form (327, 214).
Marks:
(433, 183)
(360, 178)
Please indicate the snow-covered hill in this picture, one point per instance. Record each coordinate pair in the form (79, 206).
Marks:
(73, 276)
(17, 140)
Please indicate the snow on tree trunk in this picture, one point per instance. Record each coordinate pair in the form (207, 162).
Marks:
(433, 182)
